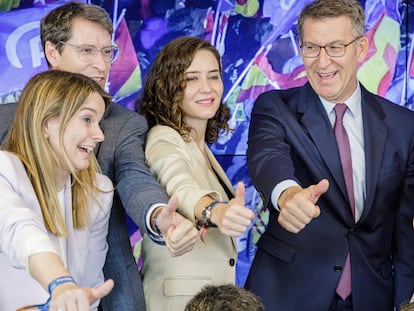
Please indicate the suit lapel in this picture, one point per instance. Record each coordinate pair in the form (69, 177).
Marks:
(223, 176)
(316, 122)
(372, 115)
(220, 172)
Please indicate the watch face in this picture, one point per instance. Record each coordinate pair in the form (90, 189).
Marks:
(206, 214)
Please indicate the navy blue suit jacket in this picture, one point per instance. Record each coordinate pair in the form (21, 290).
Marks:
(290, 137)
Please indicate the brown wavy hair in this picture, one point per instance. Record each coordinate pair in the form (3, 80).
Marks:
(163, 92)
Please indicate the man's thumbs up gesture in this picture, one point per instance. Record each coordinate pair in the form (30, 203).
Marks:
(179, 233)
(298, 206)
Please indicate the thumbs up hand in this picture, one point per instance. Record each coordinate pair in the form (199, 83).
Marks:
(298, 207)
(233, 218)
(179, 233)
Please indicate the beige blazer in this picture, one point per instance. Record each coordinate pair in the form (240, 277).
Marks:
(170, 282)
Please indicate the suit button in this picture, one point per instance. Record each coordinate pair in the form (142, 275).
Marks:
(232, 262)
(338, 268)
(352, 230)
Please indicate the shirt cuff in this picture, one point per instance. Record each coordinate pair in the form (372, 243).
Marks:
(279, 188)
(154, 236)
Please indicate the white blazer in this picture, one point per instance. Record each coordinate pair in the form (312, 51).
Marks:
(21, 227)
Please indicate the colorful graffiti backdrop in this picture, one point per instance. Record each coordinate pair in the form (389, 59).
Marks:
(258, 42)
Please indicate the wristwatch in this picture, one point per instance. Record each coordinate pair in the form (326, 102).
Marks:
(206, 216)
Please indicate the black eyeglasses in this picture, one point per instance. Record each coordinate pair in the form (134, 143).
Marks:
(311, 50)
(87, 53)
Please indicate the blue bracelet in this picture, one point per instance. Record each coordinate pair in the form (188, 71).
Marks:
(45, 306)
(51, 287)
(58, 281)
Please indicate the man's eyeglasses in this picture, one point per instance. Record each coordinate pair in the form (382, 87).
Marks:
(311, 50)
(87, 53)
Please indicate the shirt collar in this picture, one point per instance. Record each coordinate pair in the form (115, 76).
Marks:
(353, 103)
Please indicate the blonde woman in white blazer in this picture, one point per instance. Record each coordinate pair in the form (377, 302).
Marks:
(182, 103)
(54, 205)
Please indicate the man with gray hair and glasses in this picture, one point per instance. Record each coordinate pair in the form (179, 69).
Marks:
(335, 166)
(76, 37)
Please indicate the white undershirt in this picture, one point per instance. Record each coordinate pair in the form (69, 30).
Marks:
(63, 241)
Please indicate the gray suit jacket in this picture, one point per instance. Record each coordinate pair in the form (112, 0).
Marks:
(121, 156)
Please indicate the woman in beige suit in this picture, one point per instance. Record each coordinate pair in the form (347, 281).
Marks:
(182, 102)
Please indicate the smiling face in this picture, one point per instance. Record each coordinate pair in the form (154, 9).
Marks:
(204, 89)
(333, 78)
(85, 33)
(80, 136)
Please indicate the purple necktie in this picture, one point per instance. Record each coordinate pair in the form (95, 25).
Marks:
(344, 287)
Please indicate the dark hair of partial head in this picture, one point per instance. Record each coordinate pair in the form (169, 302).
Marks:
(408, 306)
(56, 26)
(321, 9)
(165, 82)
(226, 297)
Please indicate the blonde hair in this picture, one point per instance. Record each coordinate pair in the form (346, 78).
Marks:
(53, 94)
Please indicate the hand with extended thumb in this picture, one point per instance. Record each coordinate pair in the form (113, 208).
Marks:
(233, 218)
(298, 206)
(179, 233)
